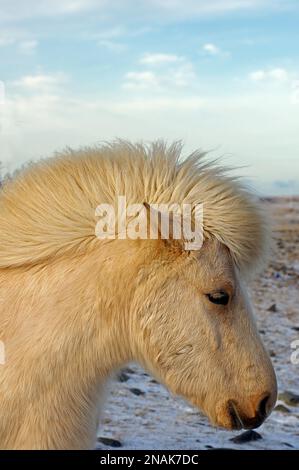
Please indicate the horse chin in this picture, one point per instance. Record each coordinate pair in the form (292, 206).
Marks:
(221, 415)
(199, 404)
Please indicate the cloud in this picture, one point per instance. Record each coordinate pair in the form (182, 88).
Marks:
(141, 80)
(295, 91)
(160, 59)
(276, 75)
(6, 39)
(257, 76)
(114, 46)
(19, 38)
(28, 47)
(163, 72)
(114, 38)
(180, 77)
(279, 74)
(154, 10)
(39, 82)
(10, 35)
(211, 49)
(2, 93)
(37, 124)
(160, 104)
(111, 33)
(14, 10)
(184, 75)
(202, 7)
(175, 10)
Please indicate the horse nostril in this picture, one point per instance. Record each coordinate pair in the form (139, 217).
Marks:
(262, 408)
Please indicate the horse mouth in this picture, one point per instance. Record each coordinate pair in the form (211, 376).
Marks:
(236, 420)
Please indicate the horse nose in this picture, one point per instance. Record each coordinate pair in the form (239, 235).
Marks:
(262, 406)
(262, 411)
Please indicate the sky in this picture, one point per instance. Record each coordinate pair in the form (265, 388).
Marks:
(221, 75)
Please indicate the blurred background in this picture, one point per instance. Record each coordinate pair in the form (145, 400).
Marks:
(222, 75)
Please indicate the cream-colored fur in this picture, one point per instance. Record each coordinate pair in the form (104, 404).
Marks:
(74, 308)
(51, 206)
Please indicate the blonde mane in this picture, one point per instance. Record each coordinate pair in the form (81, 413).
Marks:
(48, 210)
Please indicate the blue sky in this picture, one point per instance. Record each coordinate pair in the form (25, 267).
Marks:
(219, 74)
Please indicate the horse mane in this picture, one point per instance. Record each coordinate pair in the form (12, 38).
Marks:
(48, 210)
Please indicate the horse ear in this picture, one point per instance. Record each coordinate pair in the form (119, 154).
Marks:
(163, 225)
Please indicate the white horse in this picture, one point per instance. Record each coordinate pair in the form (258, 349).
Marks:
(74, 308)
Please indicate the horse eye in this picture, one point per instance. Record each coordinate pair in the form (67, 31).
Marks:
(219, 298)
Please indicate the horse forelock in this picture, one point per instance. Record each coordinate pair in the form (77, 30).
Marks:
(48, 210)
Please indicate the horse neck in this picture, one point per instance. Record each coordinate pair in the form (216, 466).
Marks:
(65, 331)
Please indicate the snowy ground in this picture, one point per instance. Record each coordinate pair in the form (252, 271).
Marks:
(141, 414)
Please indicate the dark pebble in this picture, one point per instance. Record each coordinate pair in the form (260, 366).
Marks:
(247, 436)
(122, 377)
(128, 370)
(282, 409)
(272, 308)
(109, 442)
(137, 391)
(290, 398)
(295, 328)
